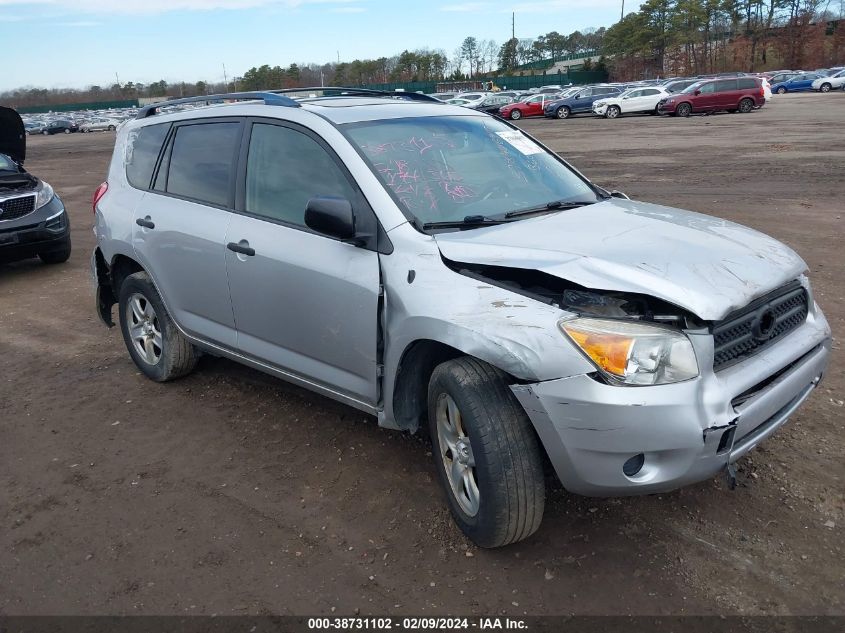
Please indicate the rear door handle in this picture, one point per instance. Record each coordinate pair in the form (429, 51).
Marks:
(241, 247)
(146, 222)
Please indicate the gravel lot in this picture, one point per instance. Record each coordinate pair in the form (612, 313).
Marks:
(229, 492)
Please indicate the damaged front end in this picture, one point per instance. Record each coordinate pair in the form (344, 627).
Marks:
(630, 428)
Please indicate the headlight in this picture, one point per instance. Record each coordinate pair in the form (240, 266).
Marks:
(43, 194)
(633, 353)
(599, 104)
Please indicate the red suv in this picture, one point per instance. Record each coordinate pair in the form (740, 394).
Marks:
(740, 94)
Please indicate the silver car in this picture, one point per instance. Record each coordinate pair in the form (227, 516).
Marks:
(435, 266)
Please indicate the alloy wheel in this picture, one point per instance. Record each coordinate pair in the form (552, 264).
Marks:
(144, 329)
(456, 454)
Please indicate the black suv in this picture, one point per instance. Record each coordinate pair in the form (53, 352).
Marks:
(60, 125)
(33, 220)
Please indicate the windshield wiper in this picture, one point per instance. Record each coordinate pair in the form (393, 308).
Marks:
(555, 205)
(468, 221)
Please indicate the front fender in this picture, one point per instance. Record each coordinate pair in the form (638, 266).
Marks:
(427, 301)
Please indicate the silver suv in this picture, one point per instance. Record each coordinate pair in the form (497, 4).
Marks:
(432, 265)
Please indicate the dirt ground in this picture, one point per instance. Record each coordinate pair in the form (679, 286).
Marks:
(230, 492)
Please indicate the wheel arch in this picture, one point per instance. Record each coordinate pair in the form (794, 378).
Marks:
(109, 277)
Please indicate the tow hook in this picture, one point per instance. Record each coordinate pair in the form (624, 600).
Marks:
(730, 476)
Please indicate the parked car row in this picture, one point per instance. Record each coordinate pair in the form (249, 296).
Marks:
(731, 92)
(77, 121)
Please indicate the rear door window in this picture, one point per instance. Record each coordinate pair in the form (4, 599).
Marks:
(202, 161)
(143, 148)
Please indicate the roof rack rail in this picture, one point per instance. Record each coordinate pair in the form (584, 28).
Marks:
(341, 91)
(269, 98)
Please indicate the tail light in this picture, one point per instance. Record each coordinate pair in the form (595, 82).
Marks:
(98, 194)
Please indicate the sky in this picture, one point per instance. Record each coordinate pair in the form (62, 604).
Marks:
(76, 43)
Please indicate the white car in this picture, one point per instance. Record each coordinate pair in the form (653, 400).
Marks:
(631, 101)
(99, 125)
(826, 84)
(767, 89)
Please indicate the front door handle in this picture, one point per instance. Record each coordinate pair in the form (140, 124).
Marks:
(241, 247)
(146, 222)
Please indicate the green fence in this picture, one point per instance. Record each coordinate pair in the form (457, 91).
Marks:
(509, 82)
(69, 107)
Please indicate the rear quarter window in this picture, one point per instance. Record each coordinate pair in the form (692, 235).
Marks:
(747, 84)
(143, 148)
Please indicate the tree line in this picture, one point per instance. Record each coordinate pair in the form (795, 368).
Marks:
(474, 57)
(692, 37)
(663, 37)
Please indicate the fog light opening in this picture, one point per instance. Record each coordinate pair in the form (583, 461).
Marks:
(633, 465)
(726, 441)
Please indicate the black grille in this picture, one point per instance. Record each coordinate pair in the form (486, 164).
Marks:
(759, 324)
(14, 208)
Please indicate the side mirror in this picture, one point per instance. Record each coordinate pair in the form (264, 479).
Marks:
(331, 216)
(697, 92)
(618, 194)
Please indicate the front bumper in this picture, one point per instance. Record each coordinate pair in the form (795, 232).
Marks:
(687, 432)
(45, 230)
(600, 110)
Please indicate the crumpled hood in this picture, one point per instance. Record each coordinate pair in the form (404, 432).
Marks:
(701, 263)
(12, 135)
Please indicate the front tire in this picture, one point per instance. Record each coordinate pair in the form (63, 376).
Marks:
(563, 112)
(154, 342)
(57, 257)
(612, 112)
(781, 90)
(486, 452)
(684, 110)
(825, 87)
(516, 115)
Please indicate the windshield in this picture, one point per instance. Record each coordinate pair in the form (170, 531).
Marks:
(443, 169)
(692, 87)
(7, 164)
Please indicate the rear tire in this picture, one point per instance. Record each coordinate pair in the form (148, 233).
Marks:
(746, 106)
(486, 452)
(684, 110)
(67, 130)
(154, 342)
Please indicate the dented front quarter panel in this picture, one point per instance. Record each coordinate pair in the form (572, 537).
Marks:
(512, 332)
